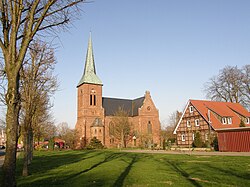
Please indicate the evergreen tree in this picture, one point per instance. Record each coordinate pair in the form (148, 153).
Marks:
(197, 140)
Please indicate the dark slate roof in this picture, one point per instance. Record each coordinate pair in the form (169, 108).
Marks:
(111, 105)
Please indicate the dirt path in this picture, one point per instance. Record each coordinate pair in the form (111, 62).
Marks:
(192, 152)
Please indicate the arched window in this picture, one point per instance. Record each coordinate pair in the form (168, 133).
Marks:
(149, 127)
(111, 129)
(92, 99)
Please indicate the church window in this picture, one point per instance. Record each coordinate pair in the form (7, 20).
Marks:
(91, 100)
(111, 129)
(95, 131)
(111, 140)
(94, 100)
(100, 130)
(149, 127)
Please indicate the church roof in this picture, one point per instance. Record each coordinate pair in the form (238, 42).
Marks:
(111, 105)
(89, 76)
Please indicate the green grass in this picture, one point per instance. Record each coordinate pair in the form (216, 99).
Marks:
(114, 168)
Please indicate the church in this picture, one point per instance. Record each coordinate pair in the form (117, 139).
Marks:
(95, 113)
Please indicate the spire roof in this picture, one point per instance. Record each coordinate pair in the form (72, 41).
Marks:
(89, 76)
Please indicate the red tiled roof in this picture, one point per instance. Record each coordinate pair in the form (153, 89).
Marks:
(223, 109)
(58, 140)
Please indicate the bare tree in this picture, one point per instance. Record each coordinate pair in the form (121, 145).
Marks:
(20, 22)
(231, 85)
(167, 132)
(66, 133)
(245, 92)
(122, 127)
(174, 118)
(37, 85)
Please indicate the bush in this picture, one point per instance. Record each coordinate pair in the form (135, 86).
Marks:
(173, 140)
(95, 144)
(197, 140)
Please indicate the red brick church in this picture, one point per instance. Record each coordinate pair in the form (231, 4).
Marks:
(95, 112)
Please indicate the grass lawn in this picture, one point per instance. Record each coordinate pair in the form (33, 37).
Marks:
(114, 168)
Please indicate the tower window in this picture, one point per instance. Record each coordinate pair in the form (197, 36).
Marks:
(92, 101)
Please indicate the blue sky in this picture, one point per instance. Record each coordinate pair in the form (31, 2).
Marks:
(169, 47)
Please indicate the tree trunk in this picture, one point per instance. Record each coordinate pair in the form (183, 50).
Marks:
(13, 108)
(25, 153)
(30, 151)
(28, 147)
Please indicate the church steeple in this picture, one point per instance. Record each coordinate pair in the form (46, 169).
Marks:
(89, 75)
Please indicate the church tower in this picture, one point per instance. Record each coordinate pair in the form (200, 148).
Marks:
(90, 113)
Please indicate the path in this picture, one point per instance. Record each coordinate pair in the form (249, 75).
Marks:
(192, 152)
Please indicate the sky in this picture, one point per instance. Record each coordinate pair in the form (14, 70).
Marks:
(169, 47)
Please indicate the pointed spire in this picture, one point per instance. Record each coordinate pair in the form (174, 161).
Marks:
(89, 75)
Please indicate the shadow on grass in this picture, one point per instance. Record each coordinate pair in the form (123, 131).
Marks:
(67, 178)
(107, 158)
(231, 172)
(121, 178)
(44, 162)
(177, 168)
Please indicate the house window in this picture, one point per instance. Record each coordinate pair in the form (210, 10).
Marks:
(197, 122)
(206, 136)
(248, 121)
(229, 120)
(224, 120)
(191, 109)
(188, 123)
(193, 136)
(149, 127)
(183, 137)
